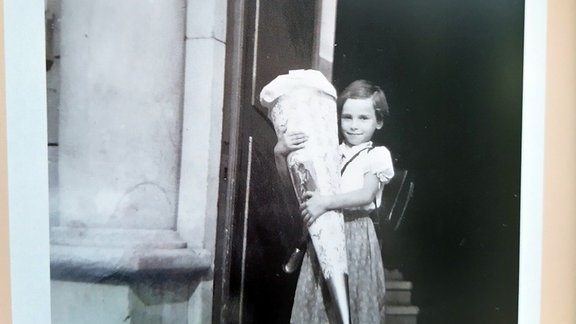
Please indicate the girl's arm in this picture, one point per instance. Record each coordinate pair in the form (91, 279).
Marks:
(316, 204)
(287, 142)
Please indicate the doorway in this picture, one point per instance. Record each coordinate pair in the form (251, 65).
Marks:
(452, 72)
(257, 222)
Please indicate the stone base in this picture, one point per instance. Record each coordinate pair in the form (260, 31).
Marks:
(125, 276)
(79, 302)
(87, 303)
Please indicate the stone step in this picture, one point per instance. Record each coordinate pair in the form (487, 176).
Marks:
(398, 297)
(393, 275)
(402, 314)
(398, 285)
(398, 292)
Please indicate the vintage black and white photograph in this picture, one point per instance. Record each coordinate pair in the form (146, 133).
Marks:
(284, 161)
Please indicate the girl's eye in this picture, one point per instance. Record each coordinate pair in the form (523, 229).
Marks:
(346, 117)
(364, 117)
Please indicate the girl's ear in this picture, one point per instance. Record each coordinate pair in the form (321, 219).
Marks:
(380, 124)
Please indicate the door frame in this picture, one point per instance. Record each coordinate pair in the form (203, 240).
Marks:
(240, 53)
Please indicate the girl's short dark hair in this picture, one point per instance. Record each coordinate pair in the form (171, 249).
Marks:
(362, 89)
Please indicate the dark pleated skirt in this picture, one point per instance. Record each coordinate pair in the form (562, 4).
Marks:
(312, 303)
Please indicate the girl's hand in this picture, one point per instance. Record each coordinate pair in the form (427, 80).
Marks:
(289, 141)
(313, 206)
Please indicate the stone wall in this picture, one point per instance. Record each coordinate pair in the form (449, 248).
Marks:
(135, 118)
(122, 69)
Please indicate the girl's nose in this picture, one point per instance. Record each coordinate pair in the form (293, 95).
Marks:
(354, 124)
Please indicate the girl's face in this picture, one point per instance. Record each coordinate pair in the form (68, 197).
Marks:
(358, 121)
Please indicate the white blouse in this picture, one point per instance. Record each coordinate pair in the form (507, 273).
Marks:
(376, 160)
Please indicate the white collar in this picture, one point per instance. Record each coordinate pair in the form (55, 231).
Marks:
(349, 151)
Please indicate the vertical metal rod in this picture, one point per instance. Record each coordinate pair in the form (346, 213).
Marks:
(245, 229)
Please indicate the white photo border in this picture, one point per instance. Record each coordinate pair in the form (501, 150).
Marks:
(28, 172)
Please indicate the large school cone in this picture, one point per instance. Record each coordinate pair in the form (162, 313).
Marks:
(303, 100)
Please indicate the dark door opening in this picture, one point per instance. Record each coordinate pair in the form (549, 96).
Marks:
(452, 72)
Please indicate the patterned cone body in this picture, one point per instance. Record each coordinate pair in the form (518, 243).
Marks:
(306, 102)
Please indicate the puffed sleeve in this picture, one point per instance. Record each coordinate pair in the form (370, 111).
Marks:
(380, 164)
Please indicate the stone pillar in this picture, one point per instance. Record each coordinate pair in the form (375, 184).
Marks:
(201, 136)
(202, 121)
(120, 234)
(122, 66)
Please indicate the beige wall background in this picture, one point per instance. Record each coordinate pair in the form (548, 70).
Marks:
(559, 232)
(559, 236)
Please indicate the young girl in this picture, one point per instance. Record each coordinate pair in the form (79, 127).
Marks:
(365, 170)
